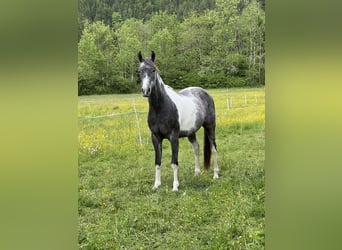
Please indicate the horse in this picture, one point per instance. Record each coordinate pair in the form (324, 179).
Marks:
(175, 115)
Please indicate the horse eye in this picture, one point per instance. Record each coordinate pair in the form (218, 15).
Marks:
(153, 70)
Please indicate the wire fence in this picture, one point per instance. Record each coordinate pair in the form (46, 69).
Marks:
(225, 102)
(235, 100)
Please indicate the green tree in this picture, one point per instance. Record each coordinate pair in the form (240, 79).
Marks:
(195, 41)
(131, 38)
(207, 43)
(224, 34)
(252, 38)
(163, 20)
(104, 12)
(88, 58)
(96, 51)
(163, 39)
(116, 20)
(163, 43)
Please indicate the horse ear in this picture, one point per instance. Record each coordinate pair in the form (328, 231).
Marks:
(140, 56)
(153, 56)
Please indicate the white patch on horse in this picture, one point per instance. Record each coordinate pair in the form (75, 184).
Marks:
(186, 109)
(145, 84)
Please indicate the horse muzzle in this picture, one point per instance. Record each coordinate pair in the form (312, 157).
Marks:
(146, 92)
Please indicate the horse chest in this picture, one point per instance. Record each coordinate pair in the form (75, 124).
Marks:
(163, 121)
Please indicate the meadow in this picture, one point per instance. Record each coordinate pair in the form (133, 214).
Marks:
(118, 208)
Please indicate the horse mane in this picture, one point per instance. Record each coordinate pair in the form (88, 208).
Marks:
(152, 64)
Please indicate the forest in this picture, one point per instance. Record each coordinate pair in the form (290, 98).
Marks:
(207, 43)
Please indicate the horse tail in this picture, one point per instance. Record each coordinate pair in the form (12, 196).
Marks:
(207, 150)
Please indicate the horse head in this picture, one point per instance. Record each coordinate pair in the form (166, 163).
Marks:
(148, 73)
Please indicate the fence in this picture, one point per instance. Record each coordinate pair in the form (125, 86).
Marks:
(224, 101)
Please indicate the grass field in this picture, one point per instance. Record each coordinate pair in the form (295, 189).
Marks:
(118, 208)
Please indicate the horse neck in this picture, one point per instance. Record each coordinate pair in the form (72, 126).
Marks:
(158, 94)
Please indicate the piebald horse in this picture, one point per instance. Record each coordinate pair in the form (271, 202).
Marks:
(173, 115)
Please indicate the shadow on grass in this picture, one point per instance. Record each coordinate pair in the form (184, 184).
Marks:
(199, 182)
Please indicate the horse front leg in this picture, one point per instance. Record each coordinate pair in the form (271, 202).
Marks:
(174, 161)
(157, 144)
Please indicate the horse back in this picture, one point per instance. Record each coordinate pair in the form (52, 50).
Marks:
(201, 97)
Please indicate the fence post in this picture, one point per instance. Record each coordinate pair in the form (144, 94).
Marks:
(229, 102)
(136, 118)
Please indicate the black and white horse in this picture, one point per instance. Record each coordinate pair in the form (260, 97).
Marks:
(173, 115)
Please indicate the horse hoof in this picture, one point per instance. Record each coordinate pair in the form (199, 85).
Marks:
(215, 177)
(175, 186)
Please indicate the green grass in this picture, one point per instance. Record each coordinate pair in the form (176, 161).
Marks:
(118, 208)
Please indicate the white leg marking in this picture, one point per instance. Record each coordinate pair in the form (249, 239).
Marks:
(158, 179)
(175, 177)
(216, 168)
(195, 148)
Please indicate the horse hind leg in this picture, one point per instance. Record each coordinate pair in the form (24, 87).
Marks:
(195, 148)
(214, 153)
(209, 133)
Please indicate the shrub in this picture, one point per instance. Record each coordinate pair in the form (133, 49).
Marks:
(124, 86)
